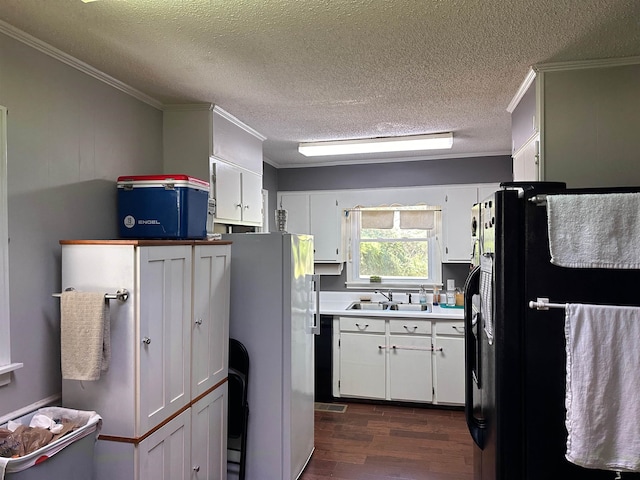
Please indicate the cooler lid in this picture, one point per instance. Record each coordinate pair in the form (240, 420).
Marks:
(179, 180)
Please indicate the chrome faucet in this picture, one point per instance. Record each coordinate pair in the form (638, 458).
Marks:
(388, 295)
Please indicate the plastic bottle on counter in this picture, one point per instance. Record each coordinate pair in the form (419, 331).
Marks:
(423, 295)
(436, 295)
(459, 298)
(451, 292)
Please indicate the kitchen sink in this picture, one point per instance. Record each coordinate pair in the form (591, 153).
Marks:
(411, 307)
(368, 306)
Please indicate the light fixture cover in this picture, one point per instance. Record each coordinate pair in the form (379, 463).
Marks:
(378, 145)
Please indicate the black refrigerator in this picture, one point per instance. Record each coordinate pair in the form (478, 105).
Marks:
(514, 354)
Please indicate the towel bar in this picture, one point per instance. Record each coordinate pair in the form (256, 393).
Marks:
(544, 304)
(540, 200)
(122, 294)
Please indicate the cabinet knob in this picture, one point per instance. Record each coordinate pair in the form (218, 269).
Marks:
(414, 328)
(238, 205)
(246, 206)
(198, 321)
(196, 468)
(458, 329)
(146, 340)
(366, 325)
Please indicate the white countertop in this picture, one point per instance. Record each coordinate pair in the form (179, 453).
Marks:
(336, 303)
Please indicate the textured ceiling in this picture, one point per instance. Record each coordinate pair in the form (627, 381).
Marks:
(312, 70)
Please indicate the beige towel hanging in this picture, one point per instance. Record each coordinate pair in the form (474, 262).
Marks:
(85, 335)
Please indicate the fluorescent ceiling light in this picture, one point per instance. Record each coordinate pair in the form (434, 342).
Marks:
(378, 145)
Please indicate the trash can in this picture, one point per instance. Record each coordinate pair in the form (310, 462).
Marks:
(70, 457)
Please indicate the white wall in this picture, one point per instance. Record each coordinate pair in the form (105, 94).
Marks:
(69, 137)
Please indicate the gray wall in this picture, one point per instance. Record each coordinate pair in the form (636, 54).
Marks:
(69, 137)
(398, 174)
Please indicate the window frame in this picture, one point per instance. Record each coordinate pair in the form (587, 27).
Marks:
(6, 367)
(354, 280)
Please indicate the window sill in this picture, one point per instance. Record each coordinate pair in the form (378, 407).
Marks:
(5, 372)
(387, 285)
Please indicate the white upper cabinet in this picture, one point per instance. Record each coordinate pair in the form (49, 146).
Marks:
(325, 227)
(298, 214)
(237, 193)
(317, 214)
(235, 142)
(525, 134)
(456, 222)
(200, 140)
(577, 123)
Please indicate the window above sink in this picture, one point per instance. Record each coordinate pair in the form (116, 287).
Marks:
(396, 245)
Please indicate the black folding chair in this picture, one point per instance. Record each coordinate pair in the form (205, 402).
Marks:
(238, 406)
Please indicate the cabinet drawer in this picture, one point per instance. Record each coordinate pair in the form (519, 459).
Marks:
(360, 324)
(444, 327)
(408, 326)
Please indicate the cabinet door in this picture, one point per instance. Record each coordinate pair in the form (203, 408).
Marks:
(165, 332)
(227, 190)
(526, 161)
(410, 372)
(449, 370)
(165, 453)
(251, 198)
(209, 436)
(362, 365)
(297, 207)
(210, 325)
(456, 221)
(325, 227)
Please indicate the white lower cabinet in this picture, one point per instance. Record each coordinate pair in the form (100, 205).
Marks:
(410, 351)
(163, 398)
(362, 358)
(449, 362)
(399, 359)
(362, 365)
(165, 453)
(208, 447)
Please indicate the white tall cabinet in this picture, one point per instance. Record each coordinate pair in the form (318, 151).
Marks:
(165, 394)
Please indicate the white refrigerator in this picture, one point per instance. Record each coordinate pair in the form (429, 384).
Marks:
(272, 312)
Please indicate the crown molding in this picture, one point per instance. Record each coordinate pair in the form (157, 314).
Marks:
(227, 116)
(524, 86)
(187, 107)
(582, 64)
(67, 59)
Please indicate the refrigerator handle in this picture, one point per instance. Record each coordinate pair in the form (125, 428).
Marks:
(315, 328)
(476, 425)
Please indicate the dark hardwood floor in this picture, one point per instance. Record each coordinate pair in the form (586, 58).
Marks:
(380, 442)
